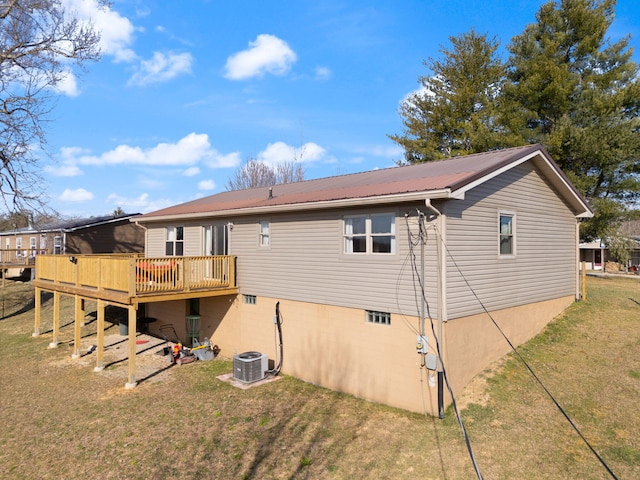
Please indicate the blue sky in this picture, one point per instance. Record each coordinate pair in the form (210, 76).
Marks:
(187, 91)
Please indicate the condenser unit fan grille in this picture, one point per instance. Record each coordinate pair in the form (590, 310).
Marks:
(249, 367)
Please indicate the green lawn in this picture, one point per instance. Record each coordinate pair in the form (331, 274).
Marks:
(61, 420)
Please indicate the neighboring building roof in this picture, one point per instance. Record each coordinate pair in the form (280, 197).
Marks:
(72, 225)
(78, 224)
(449, 178)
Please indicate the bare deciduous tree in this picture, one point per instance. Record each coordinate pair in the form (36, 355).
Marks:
(41, 42)
(255, 173)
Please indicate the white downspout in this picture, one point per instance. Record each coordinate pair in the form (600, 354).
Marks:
(442, 297)
(577, 269)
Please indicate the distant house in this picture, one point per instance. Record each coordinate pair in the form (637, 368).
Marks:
(347, 260)
(106, 234)
(595, 254)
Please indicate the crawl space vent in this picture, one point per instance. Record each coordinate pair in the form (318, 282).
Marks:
(250, 367)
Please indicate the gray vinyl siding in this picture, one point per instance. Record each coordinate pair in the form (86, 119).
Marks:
(193, 240)
(543, 267)
(305, 262)
(157, 235)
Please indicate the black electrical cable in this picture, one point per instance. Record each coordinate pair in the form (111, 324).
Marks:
(524, 362)
(438, 350)
(278, 321)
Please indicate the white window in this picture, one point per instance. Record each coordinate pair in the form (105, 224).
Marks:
(370, 233)
(18, 243)
(43, 241)
(32, 243)
(175, 241)
(265, 229)
(8, 244)
(507, 234)
(249, 299)
(381, 318)
(57, 244)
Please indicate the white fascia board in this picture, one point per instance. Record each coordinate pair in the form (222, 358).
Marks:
(296, 207)
(496, 173)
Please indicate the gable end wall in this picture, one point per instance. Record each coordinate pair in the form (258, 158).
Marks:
(544, 266)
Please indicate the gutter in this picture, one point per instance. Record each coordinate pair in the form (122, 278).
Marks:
(306, 206)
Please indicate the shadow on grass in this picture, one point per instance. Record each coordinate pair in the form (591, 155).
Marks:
(24, 306)
(151, 347)
(157, 372)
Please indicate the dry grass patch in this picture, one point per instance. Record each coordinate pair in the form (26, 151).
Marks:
(62, 420)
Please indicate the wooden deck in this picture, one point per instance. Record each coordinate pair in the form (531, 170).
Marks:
(133, 279)
(127, 280)
(20, 257)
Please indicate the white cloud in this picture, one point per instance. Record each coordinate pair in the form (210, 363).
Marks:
(392, 151)
(191, 172)
(116, 31)
(268, 54)
(229, 160)
(67, 84)
(206, 185)
(323, 73)
(280, 152)
(70, 153)
(187, 151)
(161, 68)
(78, 195)
(141, 203)
(64, 170)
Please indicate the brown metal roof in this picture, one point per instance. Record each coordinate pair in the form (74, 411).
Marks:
(451, 174)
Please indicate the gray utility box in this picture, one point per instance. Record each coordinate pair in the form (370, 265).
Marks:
(249, 367)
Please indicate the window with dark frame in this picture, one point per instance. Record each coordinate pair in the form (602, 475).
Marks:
(175, 241)
(265, 233)
(381, 318)
(375, 233)
(507, 239)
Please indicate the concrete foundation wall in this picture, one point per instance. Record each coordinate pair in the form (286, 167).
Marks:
(472, 343)
(335, 347)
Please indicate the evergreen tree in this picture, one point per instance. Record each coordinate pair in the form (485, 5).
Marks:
(571, 90)
(454, 112)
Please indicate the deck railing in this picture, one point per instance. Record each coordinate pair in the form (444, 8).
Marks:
(20, 256)
(136, 275)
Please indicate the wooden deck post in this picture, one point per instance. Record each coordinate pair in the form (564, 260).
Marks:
(100, 337)
(132, 347)
(78, 319)
(38, 311)
(186, 274)
(56, 320)
(584, 280)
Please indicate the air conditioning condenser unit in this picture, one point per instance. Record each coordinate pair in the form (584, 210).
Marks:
(249, 367)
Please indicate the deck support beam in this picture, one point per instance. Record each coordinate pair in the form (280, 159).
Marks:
(38, 311)
(56, 320)
(100, 336)
(78, 321)
(132, 347)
